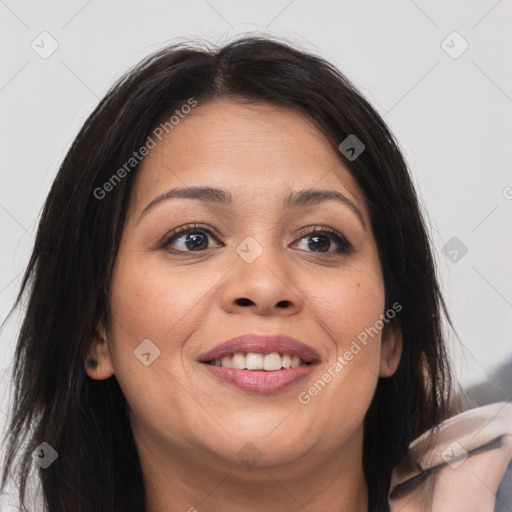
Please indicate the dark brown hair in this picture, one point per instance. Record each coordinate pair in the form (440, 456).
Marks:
(68, 276)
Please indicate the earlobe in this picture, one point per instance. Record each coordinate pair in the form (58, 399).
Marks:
(391, 351)
(98, 363)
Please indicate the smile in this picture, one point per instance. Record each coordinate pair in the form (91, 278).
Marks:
(260, 373)
(255, 361)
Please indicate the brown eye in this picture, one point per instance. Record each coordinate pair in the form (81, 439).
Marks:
(190, 240)
(324, 241)
(320, 243)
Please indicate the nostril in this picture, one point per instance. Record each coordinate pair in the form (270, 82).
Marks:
(283, 304)
(244, 302)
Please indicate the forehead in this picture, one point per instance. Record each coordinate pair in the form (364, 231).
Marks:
(252, 149)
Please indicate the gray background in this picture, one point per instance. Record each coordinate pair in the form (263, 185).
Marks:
(451, 112)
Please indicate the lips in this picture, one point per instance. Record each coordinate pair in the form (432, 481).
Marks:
(262, 344)
(261, 381)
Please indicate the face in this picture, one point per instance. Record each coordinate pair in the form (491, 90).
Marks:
(284, 247)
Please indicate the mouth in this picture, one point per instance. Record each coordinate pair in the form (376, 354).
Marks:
(261, 364)
(255, 361)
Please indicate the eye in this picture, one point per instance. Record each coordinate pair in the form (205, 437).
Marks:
(324, 240)
(189, 239)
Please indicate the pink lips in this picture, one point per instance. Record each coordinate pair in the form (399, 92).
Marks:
(261, 381)
(263, 344)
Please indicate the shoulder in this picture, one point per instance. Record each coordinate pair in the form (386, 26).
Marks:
(464, 464)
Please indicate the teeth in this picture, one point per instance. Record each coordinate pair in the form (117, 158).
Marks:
(226, 362)
(272, 362)
(295, 361)
(254, 361)
(238, 361)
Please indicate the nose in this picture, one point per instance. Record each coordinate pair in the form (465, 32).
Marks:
(263, 287)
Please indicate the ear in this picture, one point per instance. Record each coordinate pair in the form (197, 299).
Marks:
(99, 352)
(391, 350)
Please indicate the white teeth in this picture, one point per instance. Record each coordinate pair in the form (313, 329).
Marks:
(238, 362)
(295, 362)
(272, 362)
(254, 361)
(226, 362)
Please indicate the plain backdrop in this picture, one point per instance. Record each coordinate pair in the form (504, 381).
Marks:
(439, 72)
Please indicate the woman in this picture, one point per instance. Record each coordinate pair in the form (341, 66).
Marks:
(233, 304)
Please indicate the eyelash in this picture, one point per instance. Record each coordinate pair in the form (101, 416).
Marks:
(344, 246)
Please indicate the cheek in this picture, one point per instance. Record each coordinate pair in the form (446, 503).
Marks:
(348, 305)
(347, 309)
(149, 301)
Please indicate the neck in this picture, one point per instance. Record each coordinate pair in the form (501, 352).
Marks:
(200, 482)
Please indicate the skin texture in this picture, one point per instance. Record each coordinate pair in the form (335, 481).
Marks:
(188, 425)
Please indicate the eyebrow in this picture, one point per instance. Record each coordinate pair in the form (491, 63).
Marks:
(311, 197)
(297, 199)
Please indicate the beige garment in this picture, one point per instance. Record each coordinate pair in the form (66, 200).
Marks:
(463, 469)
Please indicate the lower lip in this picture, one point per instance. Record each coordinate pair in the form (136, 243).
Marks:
(260, 381)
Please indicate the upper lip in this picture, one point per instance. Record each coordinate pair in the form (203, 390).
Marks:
(262, 344)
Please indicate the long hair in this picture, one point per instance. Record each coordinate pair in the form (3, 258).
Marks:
(68, 276)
